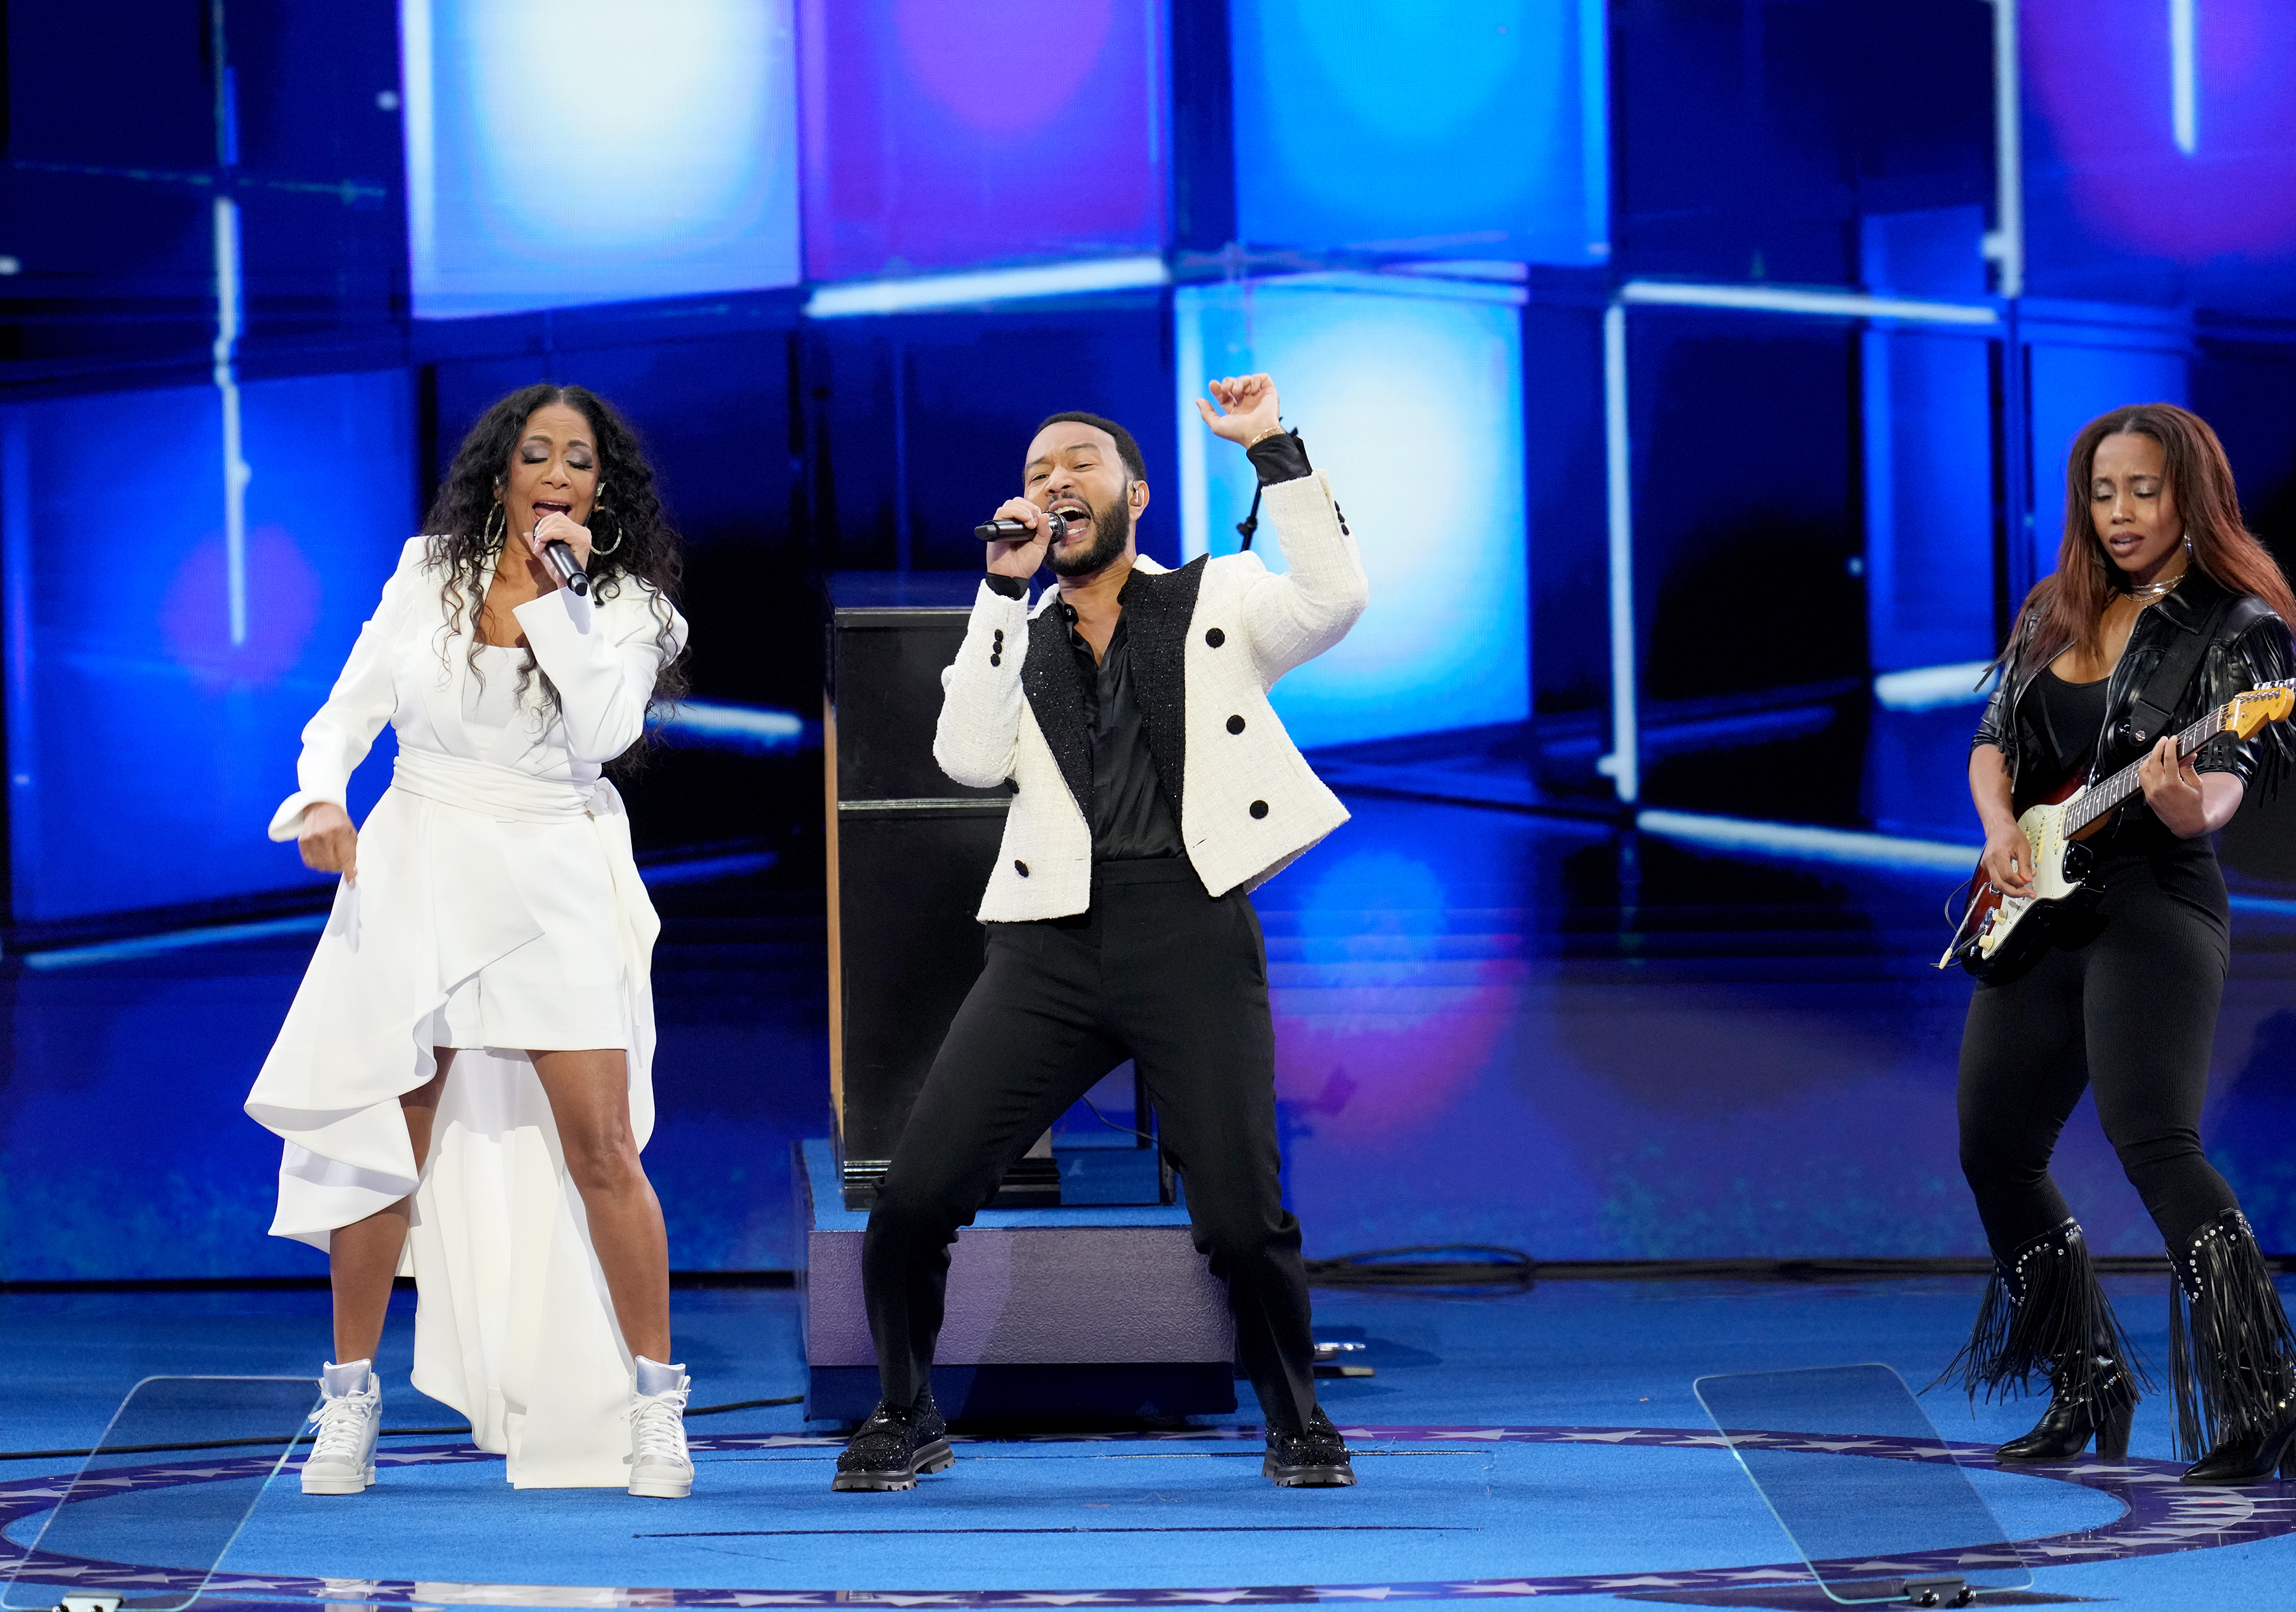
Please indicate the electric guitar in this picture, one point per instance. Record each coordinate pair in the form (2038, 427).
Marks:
(1996, 931)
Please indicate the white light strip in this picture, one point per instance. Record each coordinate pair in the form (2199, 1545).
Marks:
(226, 379)
(2183, 96)
(1929, 687)
(734, 726)
(1780, 299)
(986, 285)
(1624, 763)
(2004, 244)
(420, 135)
(1801, 842)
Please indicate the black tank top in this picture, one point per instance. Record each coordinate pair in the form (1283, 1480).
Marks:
(2069, 719)
(2071, 715)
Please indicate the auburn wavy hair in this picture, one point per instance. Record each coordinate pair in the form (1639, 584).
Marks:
(629, 520)
(2068, 606)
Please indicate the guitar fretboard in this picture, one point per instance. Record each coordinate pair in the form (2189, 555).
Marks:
(2100, 798)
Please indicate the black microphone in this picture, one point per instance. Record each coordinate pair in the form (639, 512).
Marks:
(1012, 531)
(559, 556)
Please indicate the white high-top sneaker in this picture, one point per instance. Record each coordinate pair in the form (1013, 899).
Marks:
(660, 1466)
(349, 1415)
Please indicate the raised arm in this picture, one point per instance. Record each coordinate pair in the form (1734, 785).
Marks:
(1293, 616)
(603, 659)
(338, 738)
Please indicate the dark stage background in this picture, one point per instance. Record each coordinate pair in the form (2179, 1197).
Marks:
(1696, 374)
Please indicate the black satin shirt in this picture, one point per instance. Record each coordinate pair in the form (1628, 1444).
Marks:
(1131, 820)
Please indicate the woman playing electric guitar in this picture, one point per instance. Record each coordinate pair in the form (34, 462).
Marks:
(2157, 583)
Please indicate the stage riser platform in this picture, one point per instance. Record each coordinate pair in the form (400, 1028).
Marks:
(1081, 1313)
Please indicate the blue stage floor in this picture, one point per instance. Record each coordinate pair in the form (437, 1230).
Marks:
(1546, 1443)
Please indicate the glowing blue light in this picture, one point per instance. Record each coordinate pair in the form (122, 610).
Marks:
(1410, 397)
(1796, 842)
(173, 940)
(759, 729)
(569, 151)
(119, 586)
(1477, 128)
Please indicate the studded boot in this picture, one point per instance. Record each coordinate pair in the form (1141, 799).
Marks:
(2232, 1359)
(2044, 1316)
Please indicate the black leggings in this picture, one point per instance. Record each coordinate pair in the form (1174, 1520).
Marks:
(2124, 999)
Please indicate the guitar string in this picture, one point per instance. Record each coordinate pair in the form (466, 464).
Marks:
(2117, 788)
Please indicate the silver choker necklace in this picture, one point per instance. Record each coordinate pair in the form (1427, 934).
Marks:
(2152, 591)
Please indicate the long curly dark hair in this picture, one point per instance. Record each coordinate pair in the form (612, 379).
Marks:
(635, 543)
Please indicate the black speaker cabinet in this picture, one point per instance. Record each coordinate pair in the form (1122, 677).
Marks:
(909, 853)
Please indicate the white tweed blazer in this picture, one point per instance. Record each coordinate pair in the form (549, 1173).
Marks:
(1209, 641)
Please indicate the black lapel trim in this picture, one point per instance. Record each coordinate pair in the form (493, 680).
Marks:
(1048, 677)
(1159, 607)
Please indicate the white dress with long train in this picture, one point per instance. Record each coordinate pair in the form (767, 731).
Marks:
(496, 908)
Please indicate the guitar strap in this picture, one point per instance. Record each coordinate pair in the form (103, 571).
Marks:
(2154, 708)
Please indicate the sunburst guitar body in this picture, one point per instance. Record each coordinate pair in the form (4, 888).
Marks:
(1999, 932)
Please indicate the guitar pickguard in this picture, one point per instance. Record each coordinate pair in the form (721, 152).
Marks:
(2059, 866)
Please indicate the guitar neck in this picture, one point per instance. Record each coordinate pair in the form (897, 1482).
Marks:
(2100, 798)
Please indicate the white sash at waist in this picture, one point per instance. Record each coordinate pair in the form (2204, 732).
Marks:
(497, 791)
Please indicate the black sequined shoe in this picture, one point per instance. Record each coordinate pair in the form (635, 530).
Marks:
(895, 1444)
(1315, 1458)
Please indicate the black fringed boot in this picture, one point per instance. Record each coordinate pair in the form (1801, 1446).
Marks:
(2045, 1315)
(2232, 1357)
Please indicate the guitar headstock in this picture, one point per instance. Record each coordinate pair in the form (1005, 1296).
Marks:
(2246, 713)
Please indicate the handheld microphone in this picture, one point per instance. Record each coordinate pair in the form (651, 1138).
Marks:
(1012, 531)
(559, 556)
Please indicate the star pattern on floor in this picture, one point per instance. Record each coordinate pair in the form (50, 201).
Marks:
(2162, 1516)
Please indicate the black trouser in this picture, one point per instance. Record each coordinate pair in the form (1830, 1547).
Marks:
(2123, 1000)
(1158, 972)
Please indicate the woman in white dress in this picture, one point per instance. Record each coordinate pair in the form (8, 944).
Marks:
(463, 1082)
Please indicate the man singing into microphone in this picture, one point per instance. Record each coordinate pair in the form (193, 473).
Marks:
(1152, 787)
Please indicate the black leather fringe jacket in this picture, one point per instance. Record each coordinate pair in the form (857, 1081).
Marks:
(2251, 647)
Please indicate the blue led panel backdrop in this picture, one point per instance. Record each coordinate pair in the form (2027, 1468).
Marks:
(2161, 150)
(146, 750)
(1410, 399)
(1458, 128)
(1928, 496)
(943, 134)
(569, 151)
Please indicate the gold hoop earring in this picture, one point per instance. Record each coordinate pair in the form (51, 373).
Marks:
(489, 537)
(598, 508)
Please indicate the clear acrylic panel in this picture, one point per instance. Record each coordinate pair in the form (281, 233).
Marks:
(1862, 1483)
(166, 1490)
